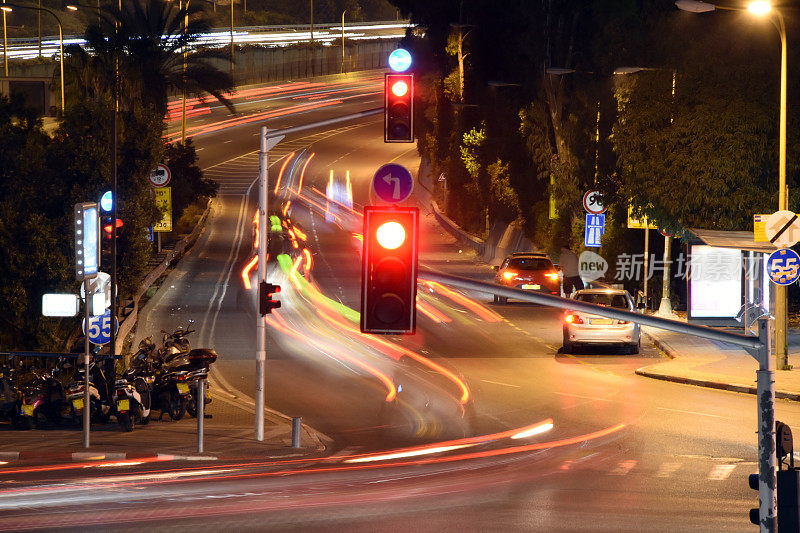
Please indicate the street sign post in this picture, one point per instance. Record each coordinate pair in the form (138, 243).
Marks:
(783, 229)
(783, 266)
(595, 227)
(161, 176)
(593, 203)
(392, 183)
(99, 293)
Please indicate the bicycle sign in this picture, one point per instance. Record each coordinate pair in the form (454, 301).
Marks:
(593, 203)
(783, 266)
(100, 328)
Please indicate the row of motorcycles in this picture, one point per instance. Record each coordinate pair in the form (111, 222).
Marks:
(161, 378)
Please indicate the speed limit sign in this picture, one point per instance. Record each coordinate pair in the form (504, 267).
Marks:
(593, 203)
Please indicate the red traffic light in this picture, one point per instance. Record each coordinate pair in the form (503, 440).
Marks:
(265, 302)
(399, 108)
(389, 274)
(108, 229)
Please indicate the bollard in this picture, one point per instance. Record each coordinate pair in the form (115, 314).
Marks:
(297, 427)
(200, 402)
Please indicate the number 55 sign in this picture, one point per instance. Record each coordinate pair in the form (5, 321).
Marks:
(100, 328)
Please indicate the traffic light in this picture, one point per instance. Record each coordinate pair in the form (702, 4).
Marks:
(265, 302)
(399, 108)
(389, 271)
(108, 228)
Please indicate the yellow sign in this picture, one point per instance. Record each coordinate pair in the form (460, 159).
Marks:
(759, 228)
(164, 204)
(553, 209)
(639, 223)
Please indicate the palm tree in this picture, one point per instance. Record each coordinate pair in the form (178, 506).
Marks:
(137, 54)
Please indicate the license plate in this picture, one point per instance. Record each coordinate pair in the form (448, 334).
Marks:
(123, 405)
(77, 404)
(183, 388)
(27, 410)
(532, 287)
(599, 321)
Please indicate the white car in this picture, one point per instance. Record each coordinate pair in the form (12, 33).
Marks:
(582, 329)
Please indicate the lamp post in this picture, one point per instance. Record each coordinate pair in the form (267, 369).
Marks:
(5, 39)
(665, 307)
(762, 8)
(8, 8)
(343, 12)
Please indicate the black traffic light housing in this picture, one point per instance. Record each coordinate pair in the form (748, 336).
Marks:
(265, 302)
(398, 112)
(108, 226)
(389, 270)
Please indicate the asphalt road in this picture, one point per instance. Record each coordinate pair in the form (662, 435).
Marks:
(606, 450)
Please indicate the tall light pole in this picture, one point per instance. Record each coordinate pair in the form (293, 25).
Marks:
(311, 10)
(5, 40)
(8, 8)
(343, 12)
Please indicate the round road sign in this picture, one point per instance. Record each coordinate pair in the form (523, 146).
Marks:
(393, 183)
(100, 328)
(783, 229)
(160, 176)
(593, 203)
(783, 266)
(400, 60)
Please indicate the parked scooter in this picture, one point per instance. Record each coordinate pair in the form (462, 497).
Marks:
(100, 406)
(10, 396)
(176, 381)
(132, 392)
(176, 342)
(43, 400)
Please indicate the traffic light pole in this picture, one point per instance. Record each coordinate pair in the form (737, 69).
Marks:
(268, 140)
(758, 347)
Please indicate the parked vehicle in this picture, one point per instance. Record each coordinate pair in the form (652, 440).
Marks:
(582, 328)
(43, 400)
(528, 271)
(100, 403)
(131, 398)
(177, 341)
(10, 395)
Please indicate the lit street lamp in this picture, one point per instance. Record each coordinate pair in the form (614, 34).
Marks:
(762, 8)
(8, 8)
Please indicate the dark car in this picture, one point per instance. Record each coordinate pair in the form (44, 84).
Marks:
(528, 271)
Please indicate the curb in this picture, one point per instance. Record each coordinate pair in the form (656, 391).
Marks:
(711, 384)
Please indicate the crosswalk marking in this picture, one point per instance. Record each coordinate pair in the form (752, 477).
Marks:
(623, 468)
(721, 472)
(667, 469)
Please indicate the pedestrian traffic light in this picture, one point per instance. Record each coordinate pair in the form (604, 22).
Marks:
(399, 108)
(752, 481)
(265, 302)
(389, 272)
(108, 228)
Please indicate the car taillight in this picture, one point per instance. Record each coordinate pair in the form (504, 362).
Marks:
(509, 275)
(574, 319)
(552, 275)
(622, 322)
(122, 392)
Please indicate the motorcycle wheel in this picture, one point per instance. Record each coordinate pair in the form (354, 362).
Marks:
(191, 407)
(177, 407)
(125, 421)
(25, 423)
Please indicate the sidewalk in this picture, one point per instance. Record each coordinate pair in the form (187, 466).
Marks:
(707, 363)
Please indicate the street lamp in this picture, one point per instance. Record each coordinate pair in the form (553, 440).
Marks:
(8, 8)
(5, 38)
(343, 12)
(763, 8)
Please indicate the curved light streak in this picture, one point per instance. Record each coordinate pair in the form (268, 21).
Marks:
(303, 172)
(479, 309)
(280, 173)
(246, 272)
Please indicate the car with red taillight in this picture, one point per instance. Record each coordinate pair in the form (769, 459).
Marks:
(582, 329)
(528, 271)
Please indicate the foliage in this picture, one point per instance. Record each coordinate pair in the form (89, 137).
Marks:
(188, 184)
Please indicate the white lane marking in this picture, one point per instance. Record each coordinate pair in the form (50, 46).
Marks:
(623, 468)
(721, 472)
(667, 469)
(690, 412)
(583, 397)
(503, 384)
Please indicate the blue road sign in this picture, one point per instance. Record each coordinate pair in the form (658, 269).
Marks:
(400, 60)
(100, 328)
(595, 227)
(393, 183)
(783, 266)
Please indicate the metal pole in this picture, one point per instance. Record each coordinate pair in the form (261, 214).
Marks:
(5, 42)
(183, 105)
(110, 367)
(781, 315)
(312, 20)
(297, 428)
(665, 308)
(231, 38)
(39, 25)
(767, 461)
(61, 61)
(646, 257)
(343, 12)
(261, 326)
(200, 400)
(86, 358)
